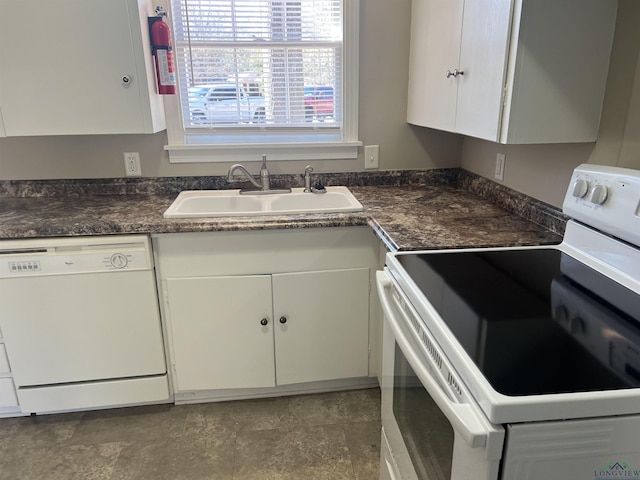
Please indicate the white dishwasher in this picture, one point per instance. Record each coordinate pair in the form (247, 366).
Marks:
(81, 322)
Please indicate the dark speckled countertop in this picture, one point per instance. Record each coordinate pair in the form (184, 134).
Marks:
(411, 218)
(451, 210)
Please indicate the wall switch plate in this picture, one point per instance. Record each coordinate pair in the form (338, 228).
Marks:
(132, 164)
(499, 173)
(371, 153)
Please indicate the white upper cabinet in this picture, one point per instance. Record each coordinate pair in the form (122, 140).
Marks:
(511, 71)
(72, 67)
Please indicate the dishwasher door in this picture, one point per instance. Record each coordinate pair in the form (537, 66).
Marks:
(77, 315)
(81, 327)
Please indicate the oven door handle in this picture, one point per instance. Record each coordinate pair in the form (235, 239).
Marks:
(463, 417)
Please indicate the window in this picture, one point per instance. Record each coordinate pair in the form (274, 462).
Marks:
(264, 76)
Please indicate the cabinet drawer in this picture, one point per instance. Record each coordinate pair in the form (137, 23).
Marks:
(4, 361)
(7, 393)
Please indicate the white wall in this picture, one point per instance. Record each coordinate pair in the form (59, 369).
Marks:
(543, 171)
(384, 56)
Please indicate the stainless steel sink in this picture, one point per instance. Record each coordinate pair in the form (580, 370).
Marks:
(228, 203)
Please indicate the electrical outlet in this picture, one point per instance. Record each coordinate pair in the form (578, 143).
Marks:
(132, 164)
(499, 173)
(371, 156)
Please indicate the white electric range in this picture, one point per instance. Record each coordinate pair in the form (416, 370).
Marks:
(519, 363)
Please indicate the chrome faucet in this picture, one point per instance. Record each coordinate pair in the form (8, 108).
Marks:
(264, 174)
(264, 186)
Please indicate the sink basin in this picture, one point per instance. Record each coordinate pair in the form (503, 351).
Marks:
(228, 203)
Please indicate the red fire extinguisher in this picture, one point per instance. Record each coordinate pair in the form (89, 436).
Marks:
(162, 53)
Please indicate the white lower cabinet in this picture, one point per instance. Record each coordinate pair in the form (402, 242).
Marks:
(265, 330)
(268, 309)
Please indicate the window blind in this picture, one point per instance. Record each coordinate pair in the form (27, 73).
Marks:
(259, 64)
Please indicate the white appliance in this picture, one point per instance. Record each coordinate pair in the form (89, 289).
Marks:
(81, 323)
(519, 363)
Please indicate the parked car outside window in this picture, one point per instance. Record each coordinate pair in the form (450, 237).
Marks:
(225, 103)
(318, 102)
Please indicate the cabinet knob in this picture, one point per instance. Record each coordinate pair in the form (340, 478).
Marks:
(126, 80)
(283, 319)
(264, 322)
(455, 73)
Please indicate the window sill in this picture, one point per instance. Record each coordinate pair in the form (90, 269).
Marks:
(242, 152)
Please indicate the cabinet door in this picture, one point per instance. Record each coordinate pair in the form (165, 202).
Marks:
(217, 339)
(62, 68)
(326, 331)
(435, 49)
(483, 59)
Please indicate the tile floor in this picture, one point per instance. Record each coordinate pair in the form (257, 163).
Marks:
(332, 436)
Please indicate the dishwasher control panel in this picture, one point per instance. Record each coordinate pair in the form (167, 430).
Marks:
(19, 266)
(62, 258)
(56, 264)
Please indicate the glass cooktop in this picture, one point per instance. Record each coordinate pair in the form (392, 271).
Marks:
(534, 321)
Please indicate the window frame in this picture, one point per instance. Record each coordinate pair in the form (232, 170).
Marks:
(291, 144)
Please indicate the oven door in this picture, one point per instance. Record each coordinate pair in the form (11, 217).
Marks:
(431, 427)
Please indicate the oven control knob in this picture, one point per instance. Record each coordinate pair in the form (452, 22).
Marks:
(119, 260)
(599, 194)
(580, 188)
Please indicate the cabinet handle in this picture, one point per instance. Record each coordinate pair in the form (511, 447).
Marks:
(283, 319)
(455, 73)
(264, 322)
